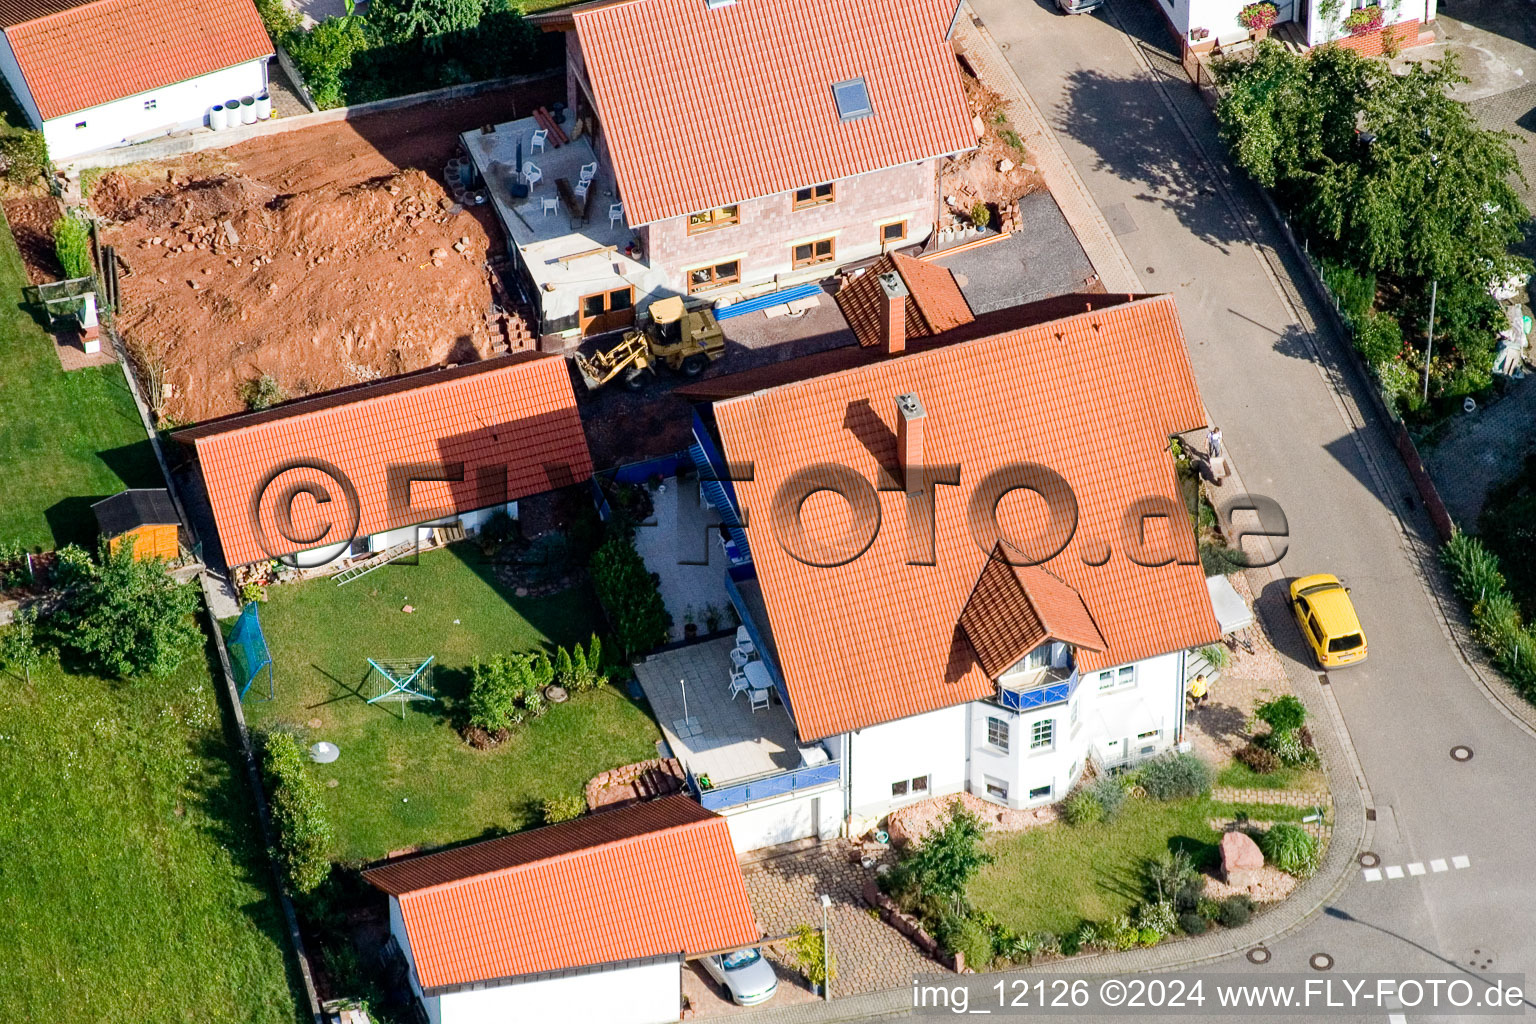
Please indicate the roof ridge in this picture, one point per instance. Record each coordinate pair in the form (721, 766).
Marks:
(295, 408)
(558, 858)
(68, 10)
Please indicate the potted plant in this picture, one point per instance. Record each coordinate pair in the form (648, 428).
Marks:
(1257, 18)
(812, 957)
(690, 627)
(1363, 20)
(711, 618)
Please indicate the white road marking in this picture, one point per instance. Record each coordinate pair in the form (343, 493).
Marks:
(1415, 868)
(1372, 874)
(1460, 862)
(1438, 865)
(1397, 1018)
(1393, 871)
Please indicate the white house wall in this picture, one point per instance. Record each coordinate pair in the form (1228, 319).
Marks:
(12, 72)
(642, 994)
(771, 822)
(931, 744)
(177, 107)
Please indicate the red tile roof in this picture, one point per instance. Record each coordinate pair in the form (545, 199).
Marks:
(511, 423)
(655, 879)
(104, 51)
(1093, 396)
(934, 301)
(704, 108)
(1016, 608)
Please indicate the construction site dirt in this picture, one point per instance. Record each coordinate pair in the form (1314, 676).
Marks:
(317, 258)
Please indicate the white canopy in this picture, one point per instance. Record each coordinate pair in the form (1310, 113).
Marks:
(1232, 612)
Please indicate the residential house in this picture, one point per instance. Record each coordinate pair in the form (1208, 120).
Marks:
(590, 919)
(360, 472)
(740, 148)
(910, 639)
(93, 74)
(1205, 24)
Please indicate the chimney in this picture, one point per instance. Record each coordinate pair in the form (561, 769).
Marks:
(909, 440)
(893, 314)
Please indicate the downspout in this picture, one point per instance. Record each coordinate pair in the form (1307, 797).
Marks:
(847, 785)
(1178, 736)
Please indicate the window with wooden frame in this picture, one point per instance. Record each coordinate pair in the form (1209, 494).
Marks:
(816, 195)
(719, 217)
(714, 276)
(809, 254)
(894, 232)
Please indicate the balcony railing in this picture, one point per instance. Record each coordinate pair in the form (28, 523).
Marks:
(1053, 686)
(768, 786)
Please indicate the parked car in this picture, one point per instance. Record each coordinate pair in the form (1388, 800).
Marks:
(1328, 621)
(744, 974)
(1079, 6)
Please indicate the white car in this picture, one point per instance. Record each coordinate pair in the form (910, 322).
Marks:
(744, 974)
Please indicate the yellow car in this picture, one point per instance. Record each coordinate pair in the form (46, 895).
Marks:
(1327, 620)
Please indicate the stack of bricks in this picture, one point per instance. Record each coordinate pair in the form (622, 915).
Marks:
(1008, 217)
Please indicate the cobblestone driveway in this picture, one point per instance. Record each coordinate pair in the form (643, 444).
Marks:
(870, 956)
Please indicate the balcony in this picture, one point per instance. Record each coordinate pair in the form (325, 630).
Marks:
(768, 786)
(1038, 690)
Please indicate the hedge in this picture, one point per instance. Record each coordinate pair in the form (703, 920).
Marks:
(1496, 616)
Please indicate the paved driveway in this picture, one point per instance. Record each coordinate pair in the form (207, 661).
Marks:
(1299, 426)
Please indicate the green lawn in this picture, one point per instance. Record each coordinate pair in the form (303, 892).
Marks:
(1239, 776)
(1054, 878)
(66, 439)
(133, 885)
(414, 782)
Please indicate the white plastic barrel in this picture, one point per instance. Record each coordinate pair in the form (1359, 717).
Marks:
(263, 106)
(218, 119)
(248, 110)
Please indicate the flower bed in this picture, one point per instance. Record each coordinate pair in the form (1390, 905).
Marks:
(1364, 20)
(1258, 17)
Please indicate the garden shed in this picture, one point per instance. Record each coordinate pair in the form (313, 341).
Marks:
(145, 514)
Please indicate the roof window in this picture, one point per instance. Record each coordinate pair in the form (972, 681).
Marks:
(852, 99)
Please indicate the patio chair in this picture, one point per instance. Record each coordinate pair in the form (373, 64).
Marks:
(739, 657)
(739, 685)
(759, 699)
(743, 638)
(582, 188)
(589, 171)
(536, 143)
(615, 214)
(550, 205)
(532, 173)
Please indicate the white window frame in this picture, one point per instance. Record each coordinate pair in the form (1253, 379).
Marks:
(995, 788)
(1001, 725)
(912, 792)
(1120, 677)
(1049, 790)
(1037, 744)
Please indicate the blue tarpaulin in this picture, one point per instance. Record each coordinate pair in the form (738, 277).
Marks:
(762, 302)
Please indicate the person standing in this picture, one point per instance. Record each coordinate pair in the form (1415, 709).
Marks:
(1199, 691)
(1216, 453)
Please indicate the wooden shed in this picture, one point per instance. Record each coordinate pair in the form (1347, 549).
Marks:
(146, 514)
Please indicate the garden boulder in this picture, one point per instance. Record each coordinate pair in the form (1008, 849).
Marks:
(1241, 860)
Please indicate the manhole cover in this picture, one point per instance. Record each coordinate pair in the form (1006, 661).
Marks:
(1320, 961)
(1258, 955)
(1461, 754)
(1369, 860)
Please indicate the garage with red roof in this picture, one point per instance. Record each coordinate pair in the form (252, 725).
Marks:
(96, 74)
(585, 920)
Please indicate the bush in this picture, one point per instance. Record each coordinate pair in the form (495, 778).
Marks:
(1290, 848)
(1355, 289)
(1235, 911)
(1088, 936)
(1082, 808)
(1119, 934)
(1258, 758)
(1216, 655)
(968, 935)
(507, 689)
(304, 836)
(1157, 915)
(1110, 794)
(123, 615)
(72, 244)
(1287, 746)
(1474, 569)
(562, 808)
(1193, 924)
(498, 530)
(630, 595)
(1399, 383)
(1378, 338)
(261, 392)
(1174, 776)
(1283, 714)
(1208, 908)
(278, 17)
(981, 214)
(324, 55)
(808, 947)
(26, 157)
(948, 857)
(1012, 947)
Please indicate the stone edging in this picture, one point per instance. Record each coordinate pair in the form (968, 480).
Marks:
(199, 140)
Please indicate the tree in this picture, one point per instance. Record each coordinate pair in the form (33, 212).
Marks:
(946, 860)
(425, 20)
(1387, 169)
(19, 645)
(630, 595)
(125, 615)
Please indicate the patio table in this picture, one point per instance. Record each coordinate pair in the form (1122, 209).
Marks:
(757, 676)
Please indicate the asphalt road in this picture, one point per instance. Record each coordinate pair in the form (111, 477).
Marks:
(1298, 422)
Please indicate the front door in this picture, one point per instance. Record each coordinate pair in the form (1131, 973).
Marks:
(611, 310)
